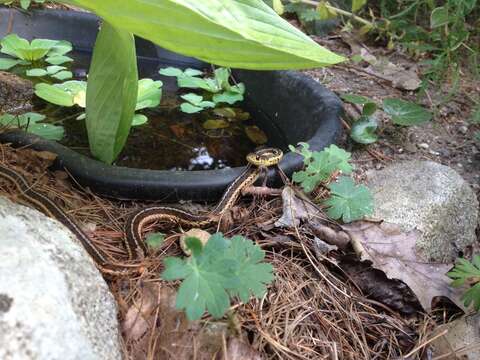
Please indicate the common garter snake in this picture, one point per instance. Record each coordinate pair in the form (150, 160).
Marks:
(135, 246)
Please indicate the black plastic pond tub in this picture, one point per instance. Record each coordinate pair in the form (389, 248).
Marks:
(290, 106)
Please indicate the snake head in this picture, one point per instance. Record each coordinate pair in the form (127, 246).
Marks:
(265, 157)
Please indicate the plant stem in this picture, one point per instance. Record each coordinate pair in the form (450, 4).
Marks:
(340, 11)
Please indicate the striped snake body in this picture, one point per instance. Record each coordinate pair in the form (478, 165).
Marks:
(134, 243)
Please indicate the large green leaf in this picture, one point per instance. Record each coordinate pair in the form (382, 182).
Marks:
(406, 113)
(111, 92)
(236, 33)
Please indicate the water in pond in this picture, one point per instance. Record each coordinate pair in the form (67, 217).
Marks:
(171, 140)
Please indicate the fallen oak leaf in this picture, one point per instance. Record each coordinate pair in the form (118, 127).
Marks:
(394, 252)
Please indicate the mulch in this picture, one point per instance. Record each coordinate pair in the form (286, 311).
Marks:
(313, 310)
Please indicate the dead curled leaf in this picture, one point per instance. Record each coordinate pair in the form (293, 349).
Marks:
(296, 210)
(256, 135)
(394, 252)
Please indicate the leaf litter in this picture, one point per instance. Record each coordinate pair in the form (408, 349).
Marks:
(312, 311)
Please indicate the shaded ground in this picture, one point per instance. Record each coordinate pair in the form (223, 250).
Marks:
(447, 139)
(312, 311)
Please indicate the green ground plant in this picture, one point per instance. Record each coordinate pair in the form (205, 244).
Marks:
(466, 273)
(441, 33)
(401, 112)
(217, 272)
(347, 200)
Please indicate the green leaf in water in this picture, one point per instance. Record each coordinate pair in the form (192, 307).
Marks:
(31, 123)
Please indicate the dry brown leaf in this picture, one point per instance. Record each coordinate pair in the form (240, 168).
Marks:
(136, 322)
(256, 135)
(46, 155)
(400, 77)
(238, 350)
(294, 209)
(200, 234)
(394, 252)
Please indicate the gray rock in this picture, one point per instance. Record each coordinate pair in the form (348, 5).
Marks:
(16, 94)
(432, 198)
(54, 303)
(461, 340)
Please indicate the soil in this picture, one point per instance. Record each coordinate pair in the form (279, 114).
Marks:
(448, 138)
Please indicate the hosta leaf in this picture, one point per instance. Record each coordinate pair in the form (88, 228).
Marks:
(348, 201)
(406, 113)
(241, 34)
(111, 92)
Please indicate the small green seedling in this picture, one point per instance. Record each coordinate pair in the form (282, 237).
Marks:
(466, 273)
(32, 123)
(216, 90)
(216, 273)
(402, 113)
(25, 53)
(347, 201)
(320, 165)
